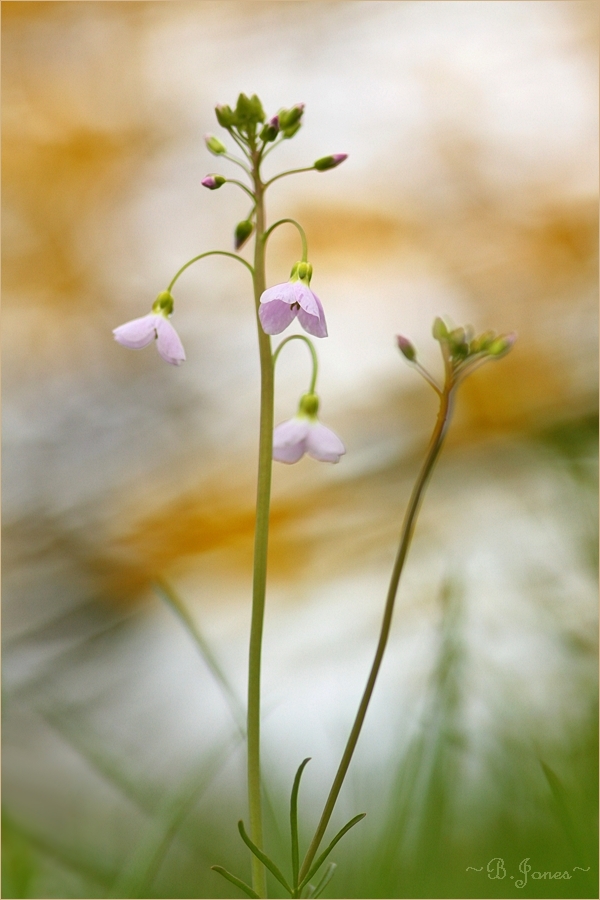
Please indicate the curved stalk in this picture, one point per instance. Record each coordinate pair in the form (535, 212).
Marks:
(435, 445)
(313, 353)
(300, 230)
(210, 253)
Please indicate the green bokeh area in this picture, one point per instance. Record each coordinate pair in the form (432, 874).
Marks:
(432, 828)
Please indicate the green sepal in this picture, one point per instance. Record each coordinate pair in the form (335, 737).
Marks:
(237, 881)
(294, 815)
(289, 118)
(317, 865)
(481, 343)
(308, 406)
(163, 303)
(263, 858)
(291, 131)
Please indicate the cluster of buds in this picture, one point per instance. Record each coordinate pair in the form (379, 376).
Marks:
(246, 117)
(462, 350)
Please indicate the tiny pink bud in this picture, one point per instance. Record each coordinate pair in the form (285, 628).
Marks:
(406, 348)
(330, 162)
(212, 182)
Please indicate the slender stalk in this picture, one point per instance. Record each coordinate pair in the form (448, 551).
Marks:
(300, 231)
(313, 353)
(210, 253)
(408, 526)
(261, 536)
(289, 172)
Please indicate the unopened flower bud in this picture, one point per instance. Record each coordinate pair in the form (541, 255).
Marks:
(459, 345)
(481, 343)
(214, 145)
(502, 345)
(243, 230)
(289, 117)
(330, 162)
(439, 330)
(249, 110)
(270, 130)
(212, 182)
(225, 116)
(406, 348)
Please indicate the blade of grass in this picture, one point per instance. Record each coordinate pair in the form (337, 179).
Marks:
(265, 860)
(321, 859)
(237, 881)
(294, 822)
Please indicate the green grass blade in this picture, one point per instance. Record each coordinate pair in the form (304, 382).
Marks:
(329, 873)
(294, 821)
(264, 858)
(317, 865)
(237, 881)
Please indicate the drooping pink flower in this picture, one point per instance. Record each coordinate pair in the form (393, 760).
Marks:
(279, 305)
(305, 434)
(155, 326)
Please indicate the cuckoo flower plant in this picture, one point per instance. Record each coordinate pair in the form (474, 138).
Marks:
(155, 326)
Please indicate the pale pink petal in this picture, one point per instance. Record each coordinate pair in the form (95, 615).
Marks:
(275, 316)
(289, 440)
(168, 344)
(289, 454)
(285, 292)
(138, 333)
(323, 444)
(313, 322)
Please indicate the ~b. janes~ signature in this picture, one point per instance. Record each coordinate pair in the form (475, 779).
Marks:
(496, 869)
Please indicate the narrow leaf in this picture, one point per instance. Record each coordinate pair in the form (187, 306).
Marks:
(237, 881)
(329, 873)
(326, 853)
(294, 821)
(263, 858)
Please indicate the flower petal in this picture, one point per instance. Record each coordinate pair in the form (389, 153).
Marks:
(275, 315)
(168, 344)
(138, 333)
(310, 314)
(323, 444)
(289, 440)
(285, 292)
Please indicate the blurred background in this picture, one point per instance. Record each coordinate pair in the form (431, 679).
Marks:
(470, 191)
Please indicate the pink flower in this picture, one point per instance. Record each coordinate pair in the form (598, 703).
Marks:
(279, 305)
(140, 332)
(305, 434)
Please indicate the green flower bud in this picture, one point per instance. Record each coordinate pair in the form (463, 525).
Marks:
(309, 405)
(214, 145)
(249, 111)
(163, 304)
(481, 343)
(439, 330)
(406, 348)
(459, 346)
(502, 345)
(225, 116)
(290, 117)
(243, 230)
(330, 162)
(291, 131)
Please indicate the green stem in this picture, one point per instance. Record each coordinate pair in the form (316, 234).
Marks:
(408, 527)
(237, 161)
(289, 172)
(210, 253)
(313, 352)
(240, 184)
(261, 534)
(300, 229)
